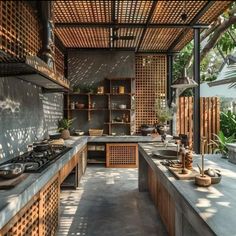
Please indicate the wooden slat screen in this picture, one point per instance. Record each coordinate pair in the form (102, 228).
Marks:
(135, 12)
(122, 155)
(82, 11)
(136, 32)
(210, 118)
(19, 30)
(159, 39)
(170, 11)
(217, 8)
(151, 77)
(59, 61)
(84, 37)
(187, 38)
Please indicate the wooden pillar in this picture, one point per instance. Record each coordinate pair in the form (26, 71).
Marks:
(196, 73)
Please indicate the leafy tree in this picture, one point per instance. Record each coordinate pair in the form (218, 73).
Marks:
(216, 42)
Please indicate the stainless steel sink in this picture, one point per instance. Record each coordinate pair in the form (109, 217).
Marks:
(165, 154)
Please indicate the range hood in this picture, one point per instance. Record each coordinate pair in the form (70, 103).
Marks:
(36, 71)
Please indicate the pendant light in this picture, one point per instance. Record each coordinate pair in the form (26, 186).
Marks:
(184, 82)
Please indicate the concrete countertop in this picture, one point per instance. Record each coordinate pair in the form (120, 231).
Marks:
(15, 199)
(124, 139)
(216, 204)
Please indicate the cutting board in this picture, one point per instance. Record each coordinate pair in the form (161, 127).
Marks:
(177, 173)
(11, 183)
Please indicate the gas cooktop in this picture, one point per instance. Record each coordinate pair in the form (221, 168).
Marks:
(35, 162)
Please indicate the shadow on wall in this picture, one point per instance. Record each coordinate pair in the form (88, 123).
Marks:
(25, 115)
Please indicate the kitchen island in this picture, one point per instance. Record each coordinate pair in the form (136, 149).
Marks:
(185, 208)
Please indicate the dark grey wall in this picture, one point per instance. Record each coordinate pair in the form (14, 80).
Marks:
(25, 115)
(90, 67)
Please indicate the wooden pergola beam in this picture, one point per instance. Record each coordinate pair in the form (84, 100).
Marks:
(128, 25)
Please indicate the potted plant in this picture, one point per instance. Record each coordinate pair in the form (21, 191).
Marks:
(221, 144)
(164, 114)
(64, 126)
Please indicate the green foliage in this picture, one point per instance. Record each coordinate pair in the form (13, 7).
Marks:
(64, 124)
(163, 112)
(228, 123)
(220, 143)
(181, 60)
(226, 43)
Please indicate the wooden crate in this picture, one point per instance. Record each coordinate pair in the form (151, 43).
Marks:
(122, 155)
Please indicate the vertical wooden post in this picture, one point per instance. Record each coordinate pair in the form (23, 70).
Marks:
(196, 72)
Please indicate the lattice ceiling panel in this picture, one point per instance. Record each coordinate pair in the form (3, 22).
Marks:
(170, 11)
(84, 37)
(136, 32)
(159, 39)
(217, 9)
(82, 11)
(186, 39)
(133, 11)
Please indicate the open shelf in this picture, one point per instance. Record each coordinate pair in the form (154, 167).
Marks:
(105, 107)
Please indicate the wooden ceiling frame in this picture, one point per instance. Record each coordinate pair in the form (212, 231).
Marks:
(133, 18)
(206, 7)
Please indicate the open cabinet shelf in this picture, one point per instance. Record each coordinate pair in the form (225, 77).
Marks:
(102, 110)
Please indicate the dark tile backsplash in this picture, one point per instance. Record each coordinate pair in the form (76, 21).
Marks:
(25, 115)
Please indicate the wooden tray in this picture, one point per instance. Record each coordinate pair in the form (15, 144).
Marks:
(11, 183)
(177, 173)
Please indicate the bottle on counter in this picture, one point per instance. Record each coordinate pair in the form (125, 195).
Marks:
(72, 105)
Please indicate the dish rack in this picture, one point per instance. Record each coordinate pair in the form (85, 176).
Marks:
(95, 132)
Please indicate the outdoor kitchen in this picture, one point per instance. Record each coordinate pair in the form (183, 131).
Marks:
(104, 126)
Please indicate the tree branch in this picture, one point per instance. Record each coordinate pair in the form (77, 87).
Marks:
(216, 35)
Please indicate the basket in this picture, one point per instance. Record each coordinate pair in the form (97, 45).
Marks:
(95, 132)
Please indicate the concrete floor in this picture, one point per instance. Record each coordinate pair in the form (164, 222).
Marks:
(108, 203)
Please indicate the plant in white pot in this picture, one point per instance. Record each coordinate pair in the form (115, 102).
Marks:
(64, 126)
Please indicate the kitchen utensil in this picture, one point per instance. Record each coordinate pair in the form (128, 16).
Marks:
(11, 170)
(55, 136)
(57, 142)
(121, 89)
(100, 90)
(79, 132)
(118, 119)
(147, 129)
(95, 132)
(40, 147)
(122, 106)
(165, 154)
(214, 174)
(79, 105)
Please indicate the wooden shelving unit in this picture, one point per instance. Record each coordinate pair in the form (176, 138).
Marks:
(106, 105)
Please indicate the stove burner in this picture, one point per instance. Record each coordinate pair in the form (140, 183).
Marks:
(38, 161)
